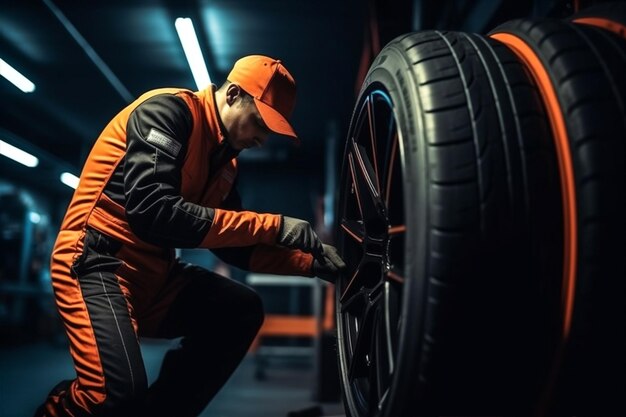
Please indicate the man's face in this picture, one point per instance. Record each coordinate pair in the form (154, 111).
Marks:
(245, 126)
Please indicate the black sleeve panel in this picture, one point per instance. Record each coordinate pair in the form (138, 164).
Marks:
(156, 143)
(115, 186)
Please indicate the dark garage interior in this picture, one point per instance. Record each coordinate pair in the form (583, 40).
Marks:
(463, 158)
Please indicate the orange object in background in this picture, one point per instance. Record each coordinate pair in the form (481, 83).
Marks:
(282, 325)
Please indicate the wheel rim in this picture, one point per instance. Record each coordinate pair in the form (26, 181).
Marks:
(371, 240)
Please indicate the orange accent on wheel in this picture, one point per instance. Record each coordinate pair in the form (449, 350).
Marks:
(603, 23)
(395, 277)
(566, 170)
(396, 230)
(351, 233)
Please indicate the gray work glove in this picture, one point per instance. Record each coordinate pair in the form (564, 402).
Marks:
(298, 234)
(332, 266)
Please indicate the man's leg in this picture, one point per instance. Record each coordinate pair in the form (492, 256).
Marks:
(111, 379)
(218, 319)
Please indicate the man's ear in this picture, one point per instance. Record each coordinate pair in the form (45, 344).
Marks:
(232, 92)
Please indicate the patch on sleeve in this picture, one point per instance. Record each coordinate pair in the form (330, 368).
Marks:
(164, 142)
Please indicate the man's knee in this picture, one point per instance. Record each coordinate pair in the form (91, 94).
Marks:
(123, 398)
(241, 306)
(253, 312)
(120, 399)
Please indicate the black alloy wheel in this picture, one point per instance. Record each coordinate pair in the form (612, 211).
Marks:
(373, 224)
(449, 223)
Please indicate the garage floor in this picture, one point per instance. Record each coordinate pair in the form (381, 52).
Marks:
(28, 372)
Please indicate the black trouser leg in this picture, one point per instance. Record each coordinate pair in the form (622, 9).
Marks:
(111, 379)
(218, 319)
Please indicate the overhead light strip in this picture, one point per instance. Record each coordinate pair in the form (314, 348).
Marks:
(191, 46)
(18, 155)
(70, 180)
(34, 217)
(15, 77)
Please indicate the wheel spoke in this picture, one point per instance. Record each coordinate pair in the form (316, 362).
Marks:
(396, 230)
(351, 289)
(354, 229)
(382, 355)
(390, 167)
(374, 374)
(384, 127)
(377, 291)
(395, 276)
(355, 187)
(372, 129)
(391, 310)
(383, 399)
(359, 361)
(353, 303)
(362, 276)
(365, 184)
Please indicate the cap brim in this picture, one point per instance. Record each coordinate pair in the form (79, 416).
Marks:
(275, 121)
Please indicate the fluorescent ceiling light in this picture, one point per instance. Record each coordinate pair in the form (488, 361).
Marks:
(187, 35)
(15, 77)
(18, 155)
(70, 180)
(34, 217)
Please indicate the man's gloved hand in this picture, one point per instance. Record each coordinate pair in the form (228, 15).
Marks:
(298, 234)
(332, 266)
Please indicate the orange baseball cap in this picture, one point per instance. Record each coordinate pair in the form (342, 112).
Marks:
(273, 88)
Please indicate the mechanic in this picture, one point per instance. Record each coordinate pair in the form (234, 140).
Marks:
(162, 176)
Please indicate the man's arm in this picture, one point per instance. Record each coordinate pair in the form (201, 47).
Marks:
(157, 135)
(277, 260)
(262, 258)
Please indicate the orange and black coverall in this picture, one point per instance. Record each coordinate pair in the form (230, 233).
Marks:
(159, 177)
